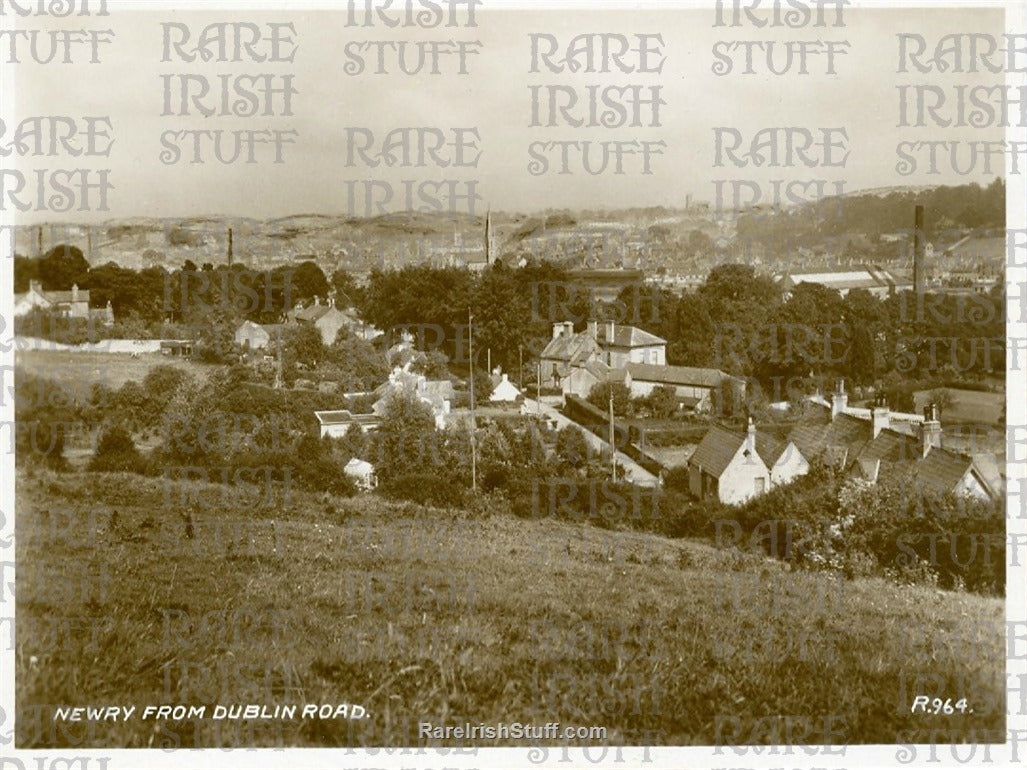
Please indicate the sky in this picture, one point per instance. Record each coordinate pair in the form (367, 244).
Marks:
(494, 99)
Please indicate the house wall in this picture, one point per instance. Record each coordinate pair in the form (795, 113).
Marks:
(258, 338)
(329, 325)
(641, 388)
(970, 486)
(620, 357)
(789, 466)
(579, 383)
(737, 482)
(338, 430)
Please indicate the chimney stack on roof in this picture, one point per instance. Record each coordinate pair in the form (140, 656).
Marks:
(839, 400)
(930, 432)
(880, 417)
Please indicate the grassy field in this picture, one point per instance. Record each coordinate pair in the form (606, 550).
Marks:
(80, 370)
(968, 406)
(146, 598)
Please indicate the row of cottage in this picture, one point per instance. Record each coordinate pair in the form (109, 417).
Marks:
(732, 466)
(865, 444)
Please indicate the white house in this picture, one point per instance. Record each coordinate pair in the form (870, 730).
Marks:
(694, 387)
(784, 459)
(335, 423)
(503, 390)
(362, 473)
(727, 466)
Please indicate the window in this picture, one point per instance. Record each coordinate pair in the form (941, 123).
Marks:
(759, 485)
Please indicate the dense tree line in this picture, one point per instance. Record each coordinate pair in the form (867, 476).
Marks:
(738, 321)
(968, 206)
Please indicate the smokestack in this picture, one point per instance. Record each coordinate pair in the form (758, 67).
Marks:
(229, 246)
(89, 244)
(919, 249)
(39, 241)
(488, 236)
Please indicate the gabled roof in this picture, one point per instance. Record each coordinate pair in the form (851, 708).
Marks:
(603, 372)
(716, 450)
(845, 432)
(769, 448)
(313, 314)
(892, 446)
(866, 469)
(942, 470)
(677, 375)
(627, 337)
(571, 348)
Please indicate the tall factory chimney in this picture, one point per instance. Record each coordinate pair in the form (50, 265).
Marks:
(39, 241)
(229, 246)
(919, 250)
(488, 237)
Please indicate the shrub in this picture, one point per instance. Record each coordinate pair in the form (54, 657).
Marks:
(115, 452)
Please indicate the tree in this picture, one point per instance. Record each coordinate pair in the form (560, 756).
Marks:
(303, 345)
(434, 366)
(361, 366)
(599, 397)
(161, 382)
(116, 452)
(347, 292)
(862, 364)
(64, 266)
(662, 402)
(571, 447)
(408, 437)
(308, 281)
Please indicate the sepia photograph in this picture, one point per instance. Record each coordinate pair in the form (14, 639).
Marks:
(458, 383)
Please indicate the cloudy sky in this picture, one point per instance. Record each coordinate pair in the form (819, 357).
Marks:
(495, 98)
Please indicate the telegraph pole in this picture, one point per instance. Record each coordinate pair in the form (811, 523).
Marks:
(613, 448)
(470, 355)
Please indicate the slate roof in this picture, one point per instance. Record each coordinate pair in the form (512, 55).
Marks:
(604, 372)
(892, 446)
(570, 348)
(312, 314)
(769, 448)
(846, 432)
(627, 337)
(942, 470)
(677, 375)
(716, 450)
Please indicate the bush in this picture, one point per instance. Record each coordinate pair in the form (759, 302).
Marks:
(116, 452)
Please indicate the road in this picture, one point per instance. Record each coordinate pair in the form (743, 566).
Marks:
(627, 468)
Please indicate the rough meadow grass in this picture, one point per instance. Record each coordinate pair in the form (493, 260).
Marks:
(432, 615)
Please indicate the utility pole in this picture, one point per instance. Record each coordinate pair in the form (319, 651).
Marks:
(538, 391)
(613, 449)
(470, 355)
(520, 368)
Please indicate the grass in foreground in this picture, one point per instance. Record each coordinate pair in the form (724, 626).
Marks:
(424, 615)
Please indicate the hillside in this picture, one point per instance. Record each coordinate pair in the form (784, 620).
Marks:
(420, 614)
